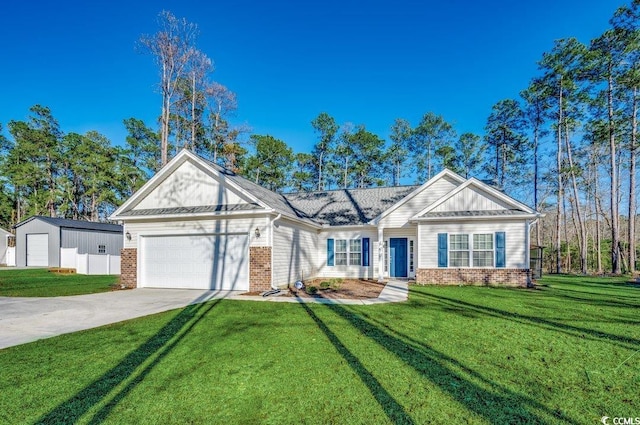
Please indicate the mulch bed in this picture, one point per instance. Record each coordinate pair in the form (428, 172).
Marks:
(346, 289)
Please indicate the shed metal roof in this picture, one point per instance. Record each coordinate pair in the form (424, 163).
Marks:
(74, 224)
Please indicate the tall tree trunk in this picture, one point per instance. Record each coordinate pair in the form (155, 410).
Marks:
(566, 238)
(632, 183)
(164, 118)
(535, 183)
(581, 230)
(193, 110)
(599, 237)
(615, 216)
(320, 183)
(346, 171)
(560, 195)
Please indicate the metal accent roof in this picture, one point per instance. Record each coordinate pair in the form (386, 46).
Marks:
(191, 210)
(74, 224)
(481, 213)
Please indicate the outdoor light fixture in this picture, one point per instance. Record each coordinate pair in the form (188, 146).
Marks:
(128, 235)
(257, 232)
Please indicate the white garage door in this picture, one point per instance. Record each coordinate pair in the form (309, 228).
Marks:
(195, 261)
(38, 249)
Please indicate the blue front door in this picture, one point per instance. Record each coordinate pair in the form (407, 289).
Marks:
(398, 257)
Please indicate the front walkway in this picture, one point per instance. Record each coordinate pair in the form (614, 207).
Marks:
(25, 319)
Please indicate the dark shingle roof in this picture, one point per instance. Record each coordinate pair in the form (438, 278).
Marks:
(332, 207)
(192, 210)
(74, 224)
(272, 199)
(348, 206)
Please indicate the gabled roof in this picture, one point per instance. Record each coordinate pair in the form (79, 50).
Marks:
(513, 207)
(347, 207)
(74, 224)
(417, 189)
(126, 209)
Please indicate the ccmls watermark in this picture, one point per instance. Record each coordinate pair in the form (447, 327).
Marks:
(606, 420)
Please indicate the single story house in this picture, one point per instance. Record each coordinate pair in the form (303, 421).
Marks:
(39, 239)
(197, 225)
(4, 245)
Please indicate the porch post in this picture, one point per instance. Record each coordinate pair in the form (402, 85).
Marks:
(380, 253)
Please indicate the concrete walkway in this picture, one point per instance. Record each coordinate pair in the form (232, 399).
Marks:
(25, 319)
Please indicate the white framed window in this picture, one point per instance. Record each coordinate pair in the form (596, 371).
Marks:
(341, 252)
(459, 250)
(483, 250)
(355, 252)
(410, 256)
(102, 249)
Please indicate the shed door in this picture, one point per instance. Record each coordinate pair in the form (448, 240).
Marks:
(195, 262)
(38, 249)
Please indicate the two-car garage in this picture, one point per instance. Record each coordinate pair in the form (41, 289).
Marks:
(194, 261)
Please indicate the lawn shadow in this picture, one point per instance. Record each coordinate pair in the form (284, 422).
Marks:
(622, 341)
(494, 404)
(594, 298)
(394, 410)
(156, 347)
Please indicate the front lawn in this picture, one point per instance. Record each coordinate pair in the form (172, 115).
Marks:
(564, 353)
(42, 283)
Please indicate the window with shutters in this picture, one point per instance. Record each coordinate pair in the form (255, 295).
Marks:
(348, 252)
(475, 250)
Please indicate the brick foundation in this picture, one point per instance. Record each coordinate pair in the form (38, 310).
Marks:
(444, 276)
(259, 268)
(129, 267)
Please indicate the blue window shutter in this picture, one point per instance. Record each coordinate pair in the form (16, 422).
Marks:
(365, 252)
(500, 250)
(442, 250)
(329, 252)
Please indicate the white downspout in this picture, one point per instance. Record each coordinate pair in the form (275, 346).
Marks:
(271, 228)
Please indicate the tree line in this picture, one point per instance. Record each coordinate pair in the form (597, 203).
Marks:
(567, 145)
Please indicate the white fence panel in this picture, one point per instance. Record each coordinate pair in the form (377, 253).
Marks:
(82, 263)
(68, 258)
(114, 264)
(11, 256)
(98, 264)
(88, 263)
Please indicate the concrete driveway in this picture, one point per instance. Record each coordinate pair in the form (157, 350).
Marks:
(24, 320)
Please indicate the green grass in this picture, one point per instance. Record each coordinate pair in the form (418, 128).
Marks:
(564, 353)
(42, 283)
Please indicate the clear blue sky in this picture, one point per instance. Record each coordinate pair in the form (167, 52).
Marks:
(362, 62)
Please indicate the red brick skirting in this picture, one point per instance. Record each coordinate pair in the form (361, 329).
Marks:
(129, 267)
(259, 268)
(444, 276)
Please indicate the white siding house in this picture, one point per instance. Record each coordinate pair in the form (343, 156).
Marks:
(197, 225)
